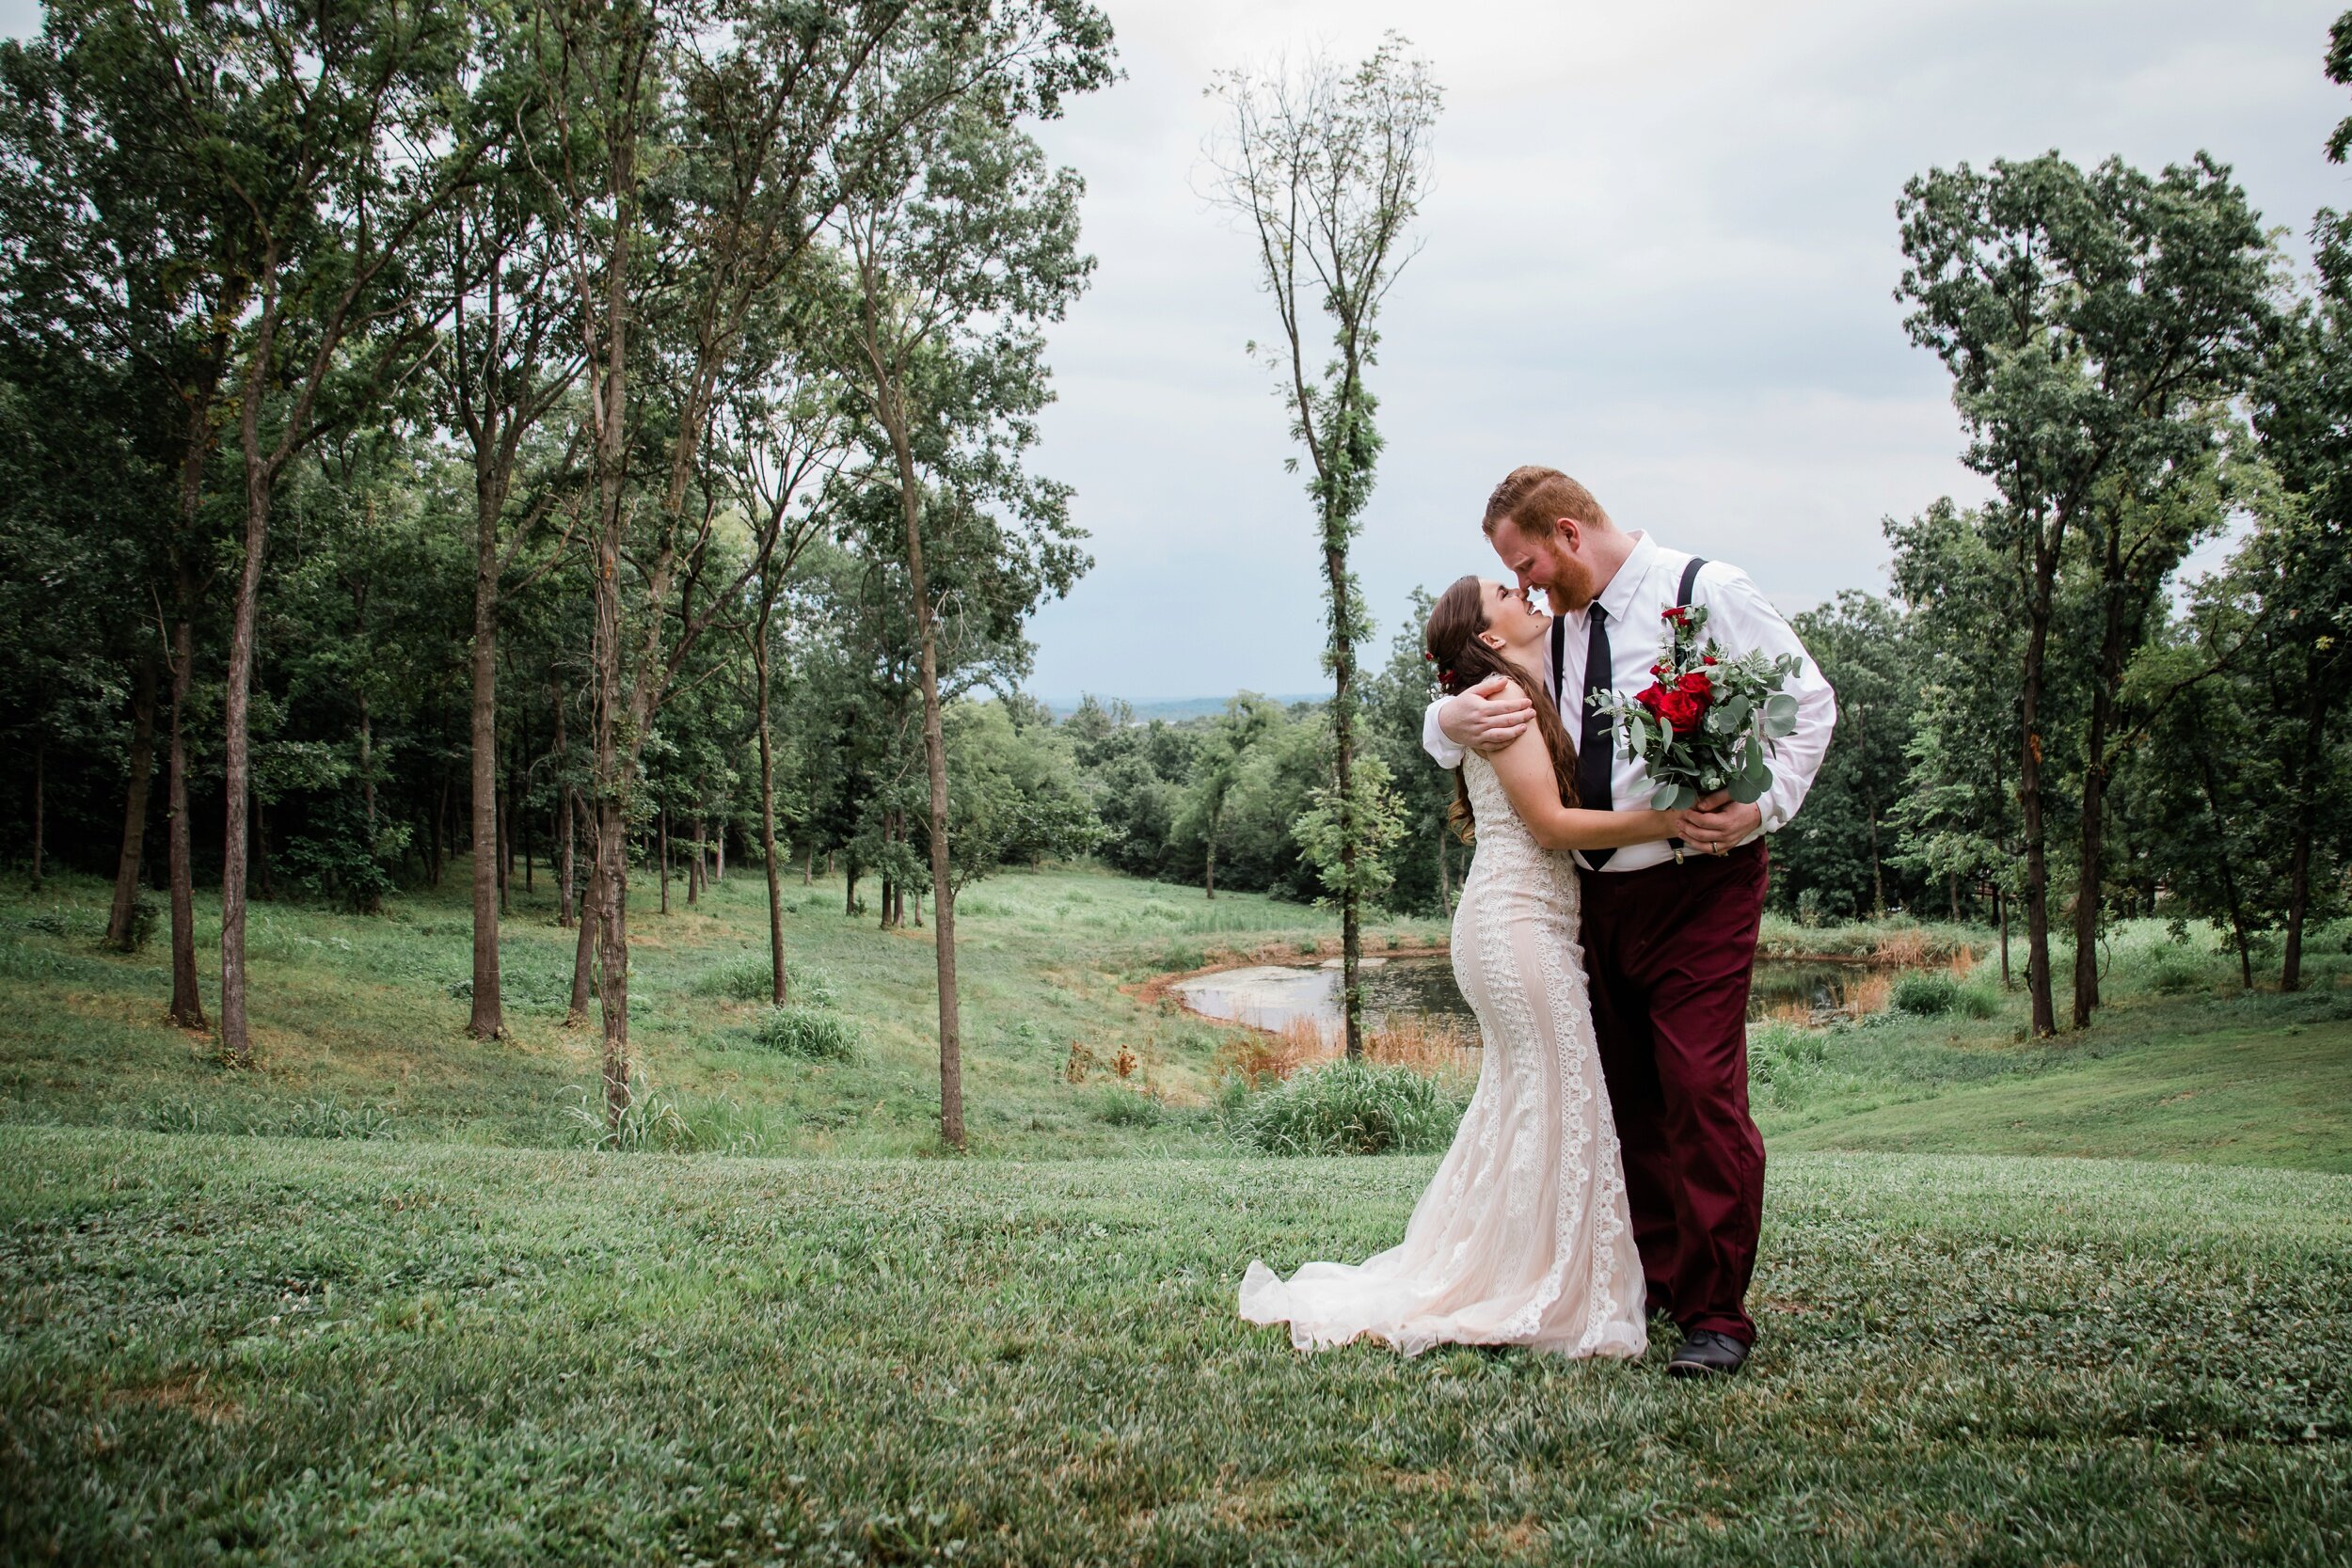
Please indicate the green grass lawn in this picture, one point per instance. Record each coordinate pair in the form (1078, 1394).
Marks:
(362, 1017)
(262, 1350)
(375, 1301)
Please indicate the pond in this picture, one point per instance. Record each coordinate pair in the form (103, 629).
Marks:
(1272, 996)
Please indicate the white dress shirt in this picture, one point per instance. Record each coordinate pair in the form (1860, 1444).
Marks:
(1740, 618)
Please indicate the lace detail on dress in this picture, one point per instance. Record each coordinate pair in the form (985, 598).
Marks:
(1522, 1236)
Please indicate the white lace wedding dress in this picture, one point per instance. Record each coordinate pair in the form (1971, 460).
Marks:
(1522, 1238)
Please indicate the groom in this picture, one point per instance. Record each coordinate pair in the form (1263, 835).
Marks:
(1669, 944)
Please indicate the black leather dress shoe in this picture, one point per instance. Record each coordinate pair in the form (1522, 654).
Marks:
(1707, 1354)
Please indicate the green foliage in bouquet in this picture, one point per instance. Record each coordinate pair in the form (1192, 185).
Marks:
(1706, 722)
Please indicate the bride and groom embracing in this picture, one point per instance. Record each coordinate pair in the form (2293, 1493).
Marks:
(1607, 1168)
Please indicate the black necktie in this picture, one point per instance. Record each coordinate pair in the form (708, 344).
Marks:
(1595, 747)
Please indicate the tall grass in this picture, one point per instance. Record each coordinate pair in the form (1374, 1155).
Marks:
(1353, 1107)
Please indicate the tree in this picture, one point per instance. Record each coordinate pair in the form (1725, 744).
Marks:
(791, 439)
(958, 247)
(510, 354)
(1223, 752)
(1395, 699)
(1841, 847)
(323, 133)
(1327, 171)
(2293, 578)
(1957, 814)
(2091, 322)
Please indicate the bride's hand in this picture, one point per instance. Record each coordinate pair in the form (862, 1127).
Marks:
(1670, 823)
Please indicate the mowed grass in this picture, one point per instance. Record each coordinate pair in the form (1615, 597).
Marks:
(2254, 1081)
(359, 1021)
(275, 1351)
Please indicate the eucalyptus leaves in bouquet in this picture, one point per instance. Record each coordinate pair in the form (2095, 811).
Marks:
(1706, 722)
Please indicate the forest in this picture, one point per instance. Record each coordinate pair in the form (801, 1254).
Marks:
(533, 438)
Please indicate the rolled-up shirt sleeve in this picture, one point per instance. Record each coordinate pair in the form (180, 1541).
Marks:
(1744, 621)
(1442, 752)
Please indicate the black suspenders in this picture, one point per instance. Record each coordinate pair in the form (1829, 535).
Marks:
(1689, 579)
(1560, 628)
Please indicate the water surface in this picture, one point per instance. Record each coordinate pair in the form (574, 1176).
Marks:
(1272, 996)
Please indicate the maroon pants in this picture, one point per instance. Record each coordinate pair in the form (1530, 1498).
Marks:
(1671, 949)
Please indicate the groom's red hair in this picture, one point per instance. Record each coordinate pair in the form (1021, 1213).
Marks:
(1531, 498)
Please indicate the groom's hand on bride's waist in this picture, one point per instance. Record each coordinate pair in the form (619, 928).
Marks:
(1488, 716)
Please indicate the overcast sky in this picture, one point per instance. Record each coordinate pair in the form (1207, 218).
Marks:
(1659, 254)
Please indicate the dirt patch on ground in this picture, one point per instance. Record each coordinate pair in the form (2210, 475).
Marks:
(184, 1393)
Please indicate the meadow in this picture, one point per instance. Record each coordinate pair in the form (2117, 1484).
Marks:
(378, 1302)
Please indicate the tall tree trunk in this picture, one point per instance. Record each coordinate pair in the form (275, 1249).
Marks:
(809, 867)
(236, 1039)
(187, 1001)
(2000, 913)
(1343, 656)
(566, 830)
(935, 768)
(121, 919)
(2038, 981)
(567, 840)
(488, 1018)
(694, 867)
(2091, 840)
(2306, 828)
(188, 591)
(1208, 876)
(1445, 879)
(583, 954)
(665, 859)
(768, 807)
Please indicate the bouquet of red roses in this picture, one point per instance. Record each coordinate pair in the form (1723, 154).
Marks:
(1707, 722)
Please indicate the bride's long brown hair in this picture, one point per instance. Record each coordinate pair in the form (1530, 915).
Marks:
(1450, 642)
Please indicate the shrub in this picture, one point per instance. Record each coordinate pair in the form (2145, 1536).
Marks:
(1979, 1001)
(812, 1034)
(144, 913)
(1348, 1108)
(1780, 1052)
(2177, 973)
(652, 1121)
(746, 977)
(1126, 1108)
(1925, 994)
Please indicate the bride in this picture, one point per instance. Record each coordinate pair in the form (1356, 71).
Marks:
(1522, 1238)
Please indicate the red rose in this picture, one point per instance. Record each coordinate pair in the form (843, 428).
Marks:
(1710, 658)
(1695, 684)
(1653, 698)
(1681, 710)
(1676, 614)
